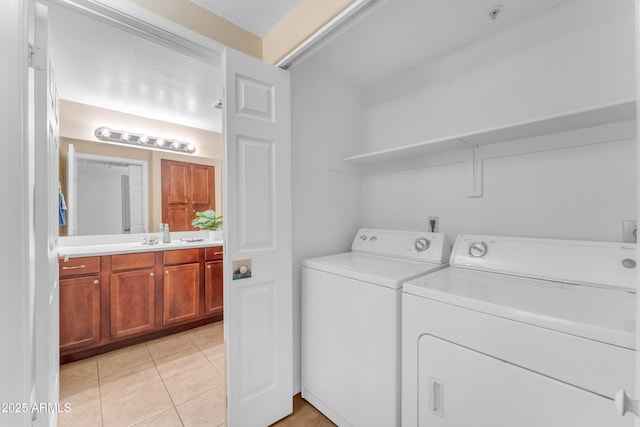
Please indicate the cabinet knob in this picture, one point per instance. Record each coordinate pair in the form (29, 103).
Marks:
(209, 267)
(95, 282)
(150, 274)
(166, 272)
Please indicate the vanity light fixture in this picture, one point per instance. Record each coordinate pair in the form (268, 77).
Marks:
(128, 138)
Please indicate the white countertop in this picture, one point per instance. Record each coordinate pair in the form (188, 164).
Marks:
(81, 246)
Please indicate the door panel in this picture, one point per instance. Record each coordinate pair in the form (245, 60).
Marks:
(213, 285)
(461, 387)
(80, 312)
(203, 186)
(132, 302)
(176, 195)
(46, 212)
(257, 200)
(181, 293)
(176, 182)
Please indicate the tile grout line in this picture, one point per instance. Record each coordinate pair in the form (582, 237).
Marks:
(99, 392)
(199, 350)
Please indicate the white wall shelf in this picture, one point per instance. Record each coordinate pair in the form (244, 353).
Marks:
(394, 158)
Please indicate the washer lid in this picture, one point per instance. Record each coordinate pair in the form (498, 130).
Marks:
(376, 269)
(601, 314)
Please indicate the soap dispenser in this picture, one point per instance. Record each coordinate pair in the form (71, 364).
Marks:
(166, 238)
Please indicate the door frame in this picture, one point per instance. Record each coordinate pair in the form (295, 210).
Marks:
(17, 264)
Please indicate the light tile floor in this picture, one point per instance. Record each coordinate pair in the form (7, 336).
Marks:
(177, 380)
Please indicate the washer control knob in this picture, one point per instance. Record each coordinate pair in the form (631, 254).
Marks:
(478, 249)
(363, 237)
(421, 244)
(373, 238)
(629, 263)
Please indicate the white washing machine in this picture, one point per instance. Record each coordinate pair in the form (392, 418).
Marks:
(351, 323)
(520, 332)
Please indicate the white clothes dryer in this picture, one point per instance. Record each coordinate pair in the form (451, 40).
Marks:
(520, 332)
(350, 313)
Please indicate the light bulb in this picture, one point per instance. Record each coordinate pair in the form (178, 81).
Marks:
(124, 137)
(190, 148)
(175, 144)
(143, 139)
(104, 132)
(160, 142)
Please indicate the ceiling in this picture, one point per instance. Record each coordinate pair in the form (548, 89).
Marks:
(256, 16)
(398, 35)
(98, 64)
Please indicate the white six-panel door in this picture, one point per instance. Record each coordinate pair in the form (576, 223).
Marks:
(46, 224)
(257, 225)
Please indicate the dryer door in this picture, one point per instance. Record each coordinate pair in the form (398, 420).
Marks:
(461, 387)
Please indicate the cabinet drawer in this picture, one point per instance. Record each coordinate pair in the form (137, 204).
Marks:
(78, 266)
(181, 256)
(213, 253)
(132, 261)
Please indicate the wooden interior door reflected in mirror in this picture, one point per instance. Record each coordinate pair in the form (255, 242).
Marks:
(187, 188)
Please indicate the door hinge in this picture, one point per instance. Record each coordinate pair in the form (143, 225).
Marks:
(37, 59)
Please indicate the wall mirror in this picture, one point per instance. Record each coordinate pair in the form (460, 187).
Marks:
(109, 76)
(106, 195)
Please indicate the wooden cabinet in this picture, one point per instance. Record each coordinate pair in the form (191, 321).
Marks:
(181, 293)
(79, 312)
(186, 189)
(181, 286)
(112, 301)
(79, 303)
(132, 294)
(213, 282)
(132, 302)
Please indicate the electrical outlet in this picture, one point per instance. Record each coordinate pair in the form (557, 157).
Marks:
(433, 225)
(629, 231)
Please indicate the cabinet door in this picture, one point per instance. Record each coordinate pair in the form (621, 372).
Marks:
(176, 194)
(132, 302)
(79, 312)
(178, 217)
(202, 187)
(181, 293)
(186, 189)
(213, 295)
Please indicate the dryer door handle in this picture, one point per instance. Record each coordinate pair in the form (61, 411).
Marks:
(625, 404)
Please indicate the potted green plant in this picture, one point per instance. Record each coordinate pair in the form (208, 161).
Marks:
(209, 220)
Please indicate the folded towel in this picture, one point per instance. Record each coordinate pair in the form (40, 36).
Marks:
(62, 206)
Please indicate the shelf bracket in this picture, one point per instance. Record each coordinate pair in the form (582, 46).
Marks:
(474, 168)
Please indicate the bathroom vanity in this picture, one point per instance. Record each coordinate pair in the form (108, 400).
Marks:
(115, 295)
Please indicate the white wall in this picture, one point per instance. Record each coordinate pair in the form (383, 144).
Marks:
(576, 56)
(580, 193)
(327, 206)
